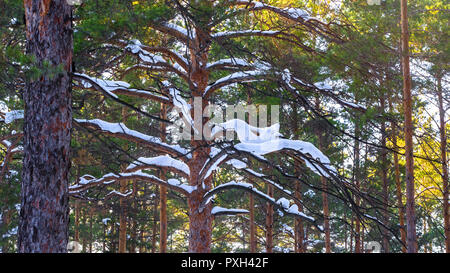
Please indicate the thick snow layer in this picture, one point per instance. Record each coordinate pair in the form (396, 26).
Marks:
(247, 133)
(163, 161)
(217, 210)
(178, 183)
(274, 145)
(236, 163)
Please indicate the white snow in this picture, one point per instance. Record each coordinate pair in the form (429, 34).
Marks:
(121, 128)
(13, 115)
(221, 210)
(162, 161)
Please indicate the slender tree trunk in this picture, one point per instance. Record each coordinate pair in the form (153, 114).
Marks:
(445, 187)
(384, 179)
(409, 149)
(252, 224)
(269, 222)
(398, 187)
(299, 229)
(357, 185)
(44, 214)
(122, 202)
(326, 213)
(154, 228)
(134, 222)
(163, 191)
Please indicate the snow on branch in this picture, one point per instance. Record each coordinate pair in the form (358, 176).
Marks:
(294, 14)
(244, 33)
(278, 204)
(135, 46)
(114, 88)
(176, 31)
(121, 131)
(262, 141)
(228, 63)
(218, 211)
(156, 62)
(11, 116)
(158, 162)
(88, 181)
(237, 77)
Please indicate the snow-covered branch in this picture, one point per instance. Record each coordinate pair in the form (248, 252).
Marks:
(119, 130)
(88, 181)
(114, 88)
(278, 204)
(218, 211)
(160, 162)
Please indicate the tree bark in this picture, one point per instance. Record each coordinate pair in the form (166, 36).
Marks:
(299, 229)
(357, 185)
(269, 222)
(445, 189)
(398, 186)
(384, 179)
(44, 215)
(163, 191)
(252, 224)
(409, 149)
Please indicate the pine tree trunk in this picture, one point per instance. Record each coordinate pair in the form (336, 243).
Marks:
(299, 229)
(44, 215)
(409, 150)
(269, 222)
(200, 218)
(252, 224)
(384, 179)
(122, 202)
(445, 188)
(163, 192)
(398, 186)
(357, 185)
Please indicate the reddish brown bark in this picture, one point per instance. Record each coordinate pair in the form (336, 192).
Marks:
(445, 189)
(252, 224)
(44, 214)
(163, 192)
(398, 187)
(299, 232)
(409, 149)
(269, 222)
(384, 179)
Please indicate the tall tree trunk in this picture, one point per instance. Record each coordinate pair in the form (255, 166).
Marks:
(269, 222)
(326, 213)
(252, 223)
(398, 186)
(299, 232)
(163, 191)
(154, 228)
(409, 149)
(445, 188)
(357, 185)
(44, 214)
(122, 201)
(384, 179)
